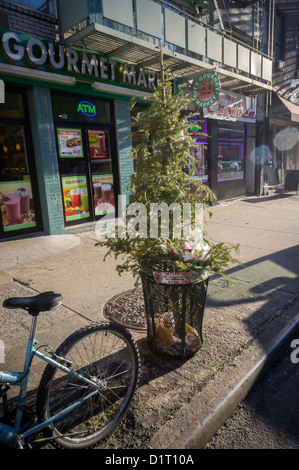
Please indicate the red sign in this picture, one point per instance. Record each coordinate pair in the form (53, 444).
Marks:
(232, 107)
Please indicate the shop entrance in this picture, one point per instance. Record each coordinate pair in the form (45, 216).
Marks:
(87, 157)
(88, 172)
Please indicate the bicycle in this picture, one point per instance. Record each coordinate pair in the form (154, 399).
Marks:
(85, 390)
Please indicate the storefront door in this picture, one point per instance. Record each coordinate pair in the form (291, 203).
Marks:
(88, 171)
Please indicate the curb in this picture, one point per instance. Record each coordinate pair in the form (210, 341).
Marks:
(197, 421)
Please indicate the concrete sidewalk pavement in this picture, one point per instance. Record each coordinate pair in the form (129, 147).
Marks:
(179, 403)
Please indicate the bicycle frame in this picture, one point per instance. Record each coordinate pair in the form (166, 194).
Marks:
(21, 379)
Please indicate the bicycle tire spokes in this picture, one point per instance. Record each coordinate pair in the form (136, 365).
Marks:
(103, 356)
(83, 357)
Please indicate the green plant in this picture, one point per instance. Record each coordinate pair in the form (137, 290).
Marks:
(162, 156)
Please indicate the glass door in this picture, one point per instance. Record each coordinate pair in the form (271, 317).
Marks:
(102, 171)
(87, 165)
(73, 174)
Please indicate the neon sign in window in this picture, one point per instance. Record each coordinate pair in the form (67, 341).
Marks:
(197, 127)
(87, 108)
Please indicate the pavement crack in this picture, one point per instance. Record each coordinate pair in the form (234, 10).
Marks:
(23, 283)
(27, 284)
(78, 313)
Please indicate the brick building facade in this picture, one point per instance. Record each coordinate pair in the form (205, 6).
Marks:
(16, 17)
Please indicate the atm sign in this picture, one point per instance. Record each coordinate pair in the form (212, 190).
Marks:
(87, 108)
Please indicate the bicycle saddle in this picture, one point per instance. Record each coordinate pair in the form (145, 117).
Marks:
(38, 303)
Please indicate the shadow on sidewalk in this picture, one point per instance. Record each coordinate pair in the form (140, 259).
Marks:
(269, 198)
(265, 289)
(270, 283)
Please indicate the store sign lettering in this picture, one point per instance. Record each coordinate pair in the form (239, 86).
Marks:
(234, 111)
(206, 89)
(38, 53)
(232, 107)
(75, 181)
(138, 77)
(87, 108)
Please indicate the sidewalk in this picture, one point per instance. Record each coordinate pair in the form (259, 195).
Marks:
(179, 404)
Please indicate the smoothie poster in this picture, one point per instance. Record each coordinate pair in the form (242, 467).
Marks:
(75, 197)
(104, 201)
(70, 143)
(16, 204)
(97, 144)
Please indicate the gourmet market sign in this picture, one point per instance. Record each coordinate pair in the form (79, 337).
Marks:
(206, 89)
(23, 51)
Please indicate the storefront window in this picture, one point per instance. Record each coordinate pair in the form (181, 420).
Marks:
(198, 131)
(87, 157)
(231, 131)
(76, 109)
(13, 106)
(230, 158)
(16, 197)
(200, 153)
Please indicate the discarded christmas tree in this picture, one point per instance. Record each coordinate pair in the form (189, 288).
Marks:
(163, 238)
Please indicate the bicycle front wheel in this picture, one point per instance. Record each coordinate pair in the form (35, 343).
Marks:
(103, 352)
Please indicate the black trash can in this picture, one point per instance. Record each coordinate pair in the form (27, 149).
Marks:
(174, 307)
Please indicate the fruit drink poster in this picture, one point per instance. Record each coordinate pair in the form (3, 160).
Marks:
(16, 205)
(97, 144)
(75, 197)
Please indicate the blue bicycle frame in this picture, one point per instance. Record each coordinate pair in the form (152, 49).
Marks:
(21, 379)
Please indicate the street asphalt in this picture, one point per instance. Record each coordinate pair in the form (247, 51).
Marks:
(179, 404)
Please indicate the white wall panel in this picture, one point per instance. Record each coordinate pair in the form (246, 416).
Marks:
(267, 69)
(175, 28)
(119, 10)
(214, 46)
(256, 64)
(229, 53)
(68, 17)
(196, 38)
(149, 17)
(243, 58)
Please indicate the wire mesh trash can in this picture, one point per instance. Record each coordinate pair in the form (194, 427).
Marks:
(174, 307)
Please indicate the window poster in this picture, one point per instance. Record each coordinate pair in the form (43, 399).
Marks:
(16, 204)
(104, 201)
(75, 197)
(198, 153)
(70, 143)
(97, 144)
